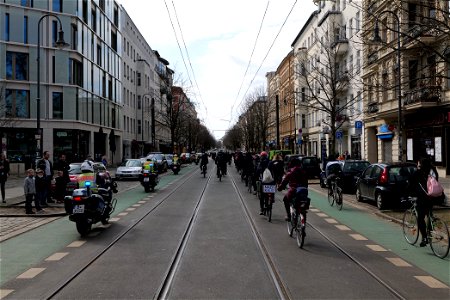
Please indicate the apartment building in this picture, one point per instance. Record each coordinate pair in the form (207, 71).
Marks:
(80, 86)
(328, 87)
(407, 79)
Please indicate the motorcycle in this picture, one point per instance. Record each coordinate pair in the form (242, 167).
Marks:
(149, 180)
(175, 168)
(86, 207)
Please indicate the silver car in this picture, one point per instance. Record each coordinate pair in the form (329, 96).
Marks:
(130, 168)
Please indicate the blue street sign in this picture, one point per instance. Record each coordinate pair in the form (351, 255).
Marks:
(358, 124)
(339, 134)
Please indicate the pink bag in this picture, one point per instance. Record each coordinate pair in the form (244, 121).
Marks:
(434, 188)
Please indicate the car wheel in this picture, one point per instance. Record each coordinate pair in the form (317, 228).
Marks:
(358, 195)
(380, 201)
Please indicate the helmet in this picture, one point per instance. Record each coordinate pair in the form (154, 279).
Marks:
(263, 154)
(87, 167)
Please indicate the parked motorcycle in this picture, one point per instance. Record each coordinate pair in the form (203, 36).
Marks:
(86, 207)
(175, 168)
(149, 180)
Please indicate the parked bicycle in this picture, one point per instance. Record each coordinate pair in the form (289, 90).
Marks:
(335, 192)
(297, 223)
(437, 230)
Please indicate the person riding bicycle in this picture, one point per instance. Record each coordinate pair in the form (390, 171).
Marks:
(247, 167)
(264, 163)
(418, 188)
(334, 171)
(296, 177)
(203, 161)
(221, 162)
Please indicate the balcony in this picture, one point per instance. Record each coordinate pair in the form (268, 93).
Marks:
(423, 33)
(372, 57)
(372, 108)
(423, 95)
(340, 45)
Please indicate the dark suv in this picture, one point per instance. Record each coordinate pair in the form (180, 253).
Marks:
(385, 183)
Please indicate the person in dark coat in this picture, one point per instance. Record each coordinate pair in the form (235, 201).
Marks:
(62, 168)
(4, 173)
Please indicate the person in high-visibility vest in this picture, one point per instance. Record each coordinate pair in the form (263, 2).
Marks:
(149, 164)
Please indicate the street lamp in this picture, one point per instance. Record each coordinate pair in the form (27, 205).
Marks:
(60, 43)
(378, 39)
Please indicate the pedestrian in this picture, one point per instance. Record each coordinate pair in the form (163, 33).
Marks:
(30, 192)
(45, 165)
(62, 168)
(41, 190)
(104, 160)
(4, 173)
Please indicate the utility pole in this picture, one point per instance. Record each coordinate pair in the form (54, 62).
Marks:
(277, 116)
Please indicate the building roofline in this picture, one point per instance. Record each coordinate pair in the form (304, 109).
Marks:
(315, 13)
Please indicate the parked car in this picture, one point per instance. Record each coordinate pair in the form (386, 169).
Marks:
(385, 183)
(350, 170)
(75, 172)
(312, 166)
(161, 162)
(169, 159)
(287, 160)
(130, 168)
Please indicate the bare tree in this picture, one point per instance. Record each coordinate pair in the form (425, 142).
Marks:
(6, 118)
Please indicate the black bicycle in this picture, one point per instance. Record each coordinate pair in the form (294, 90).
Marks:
(297, 224)
(437, 230)
(204, 170)
(335, 193)
(268, 192)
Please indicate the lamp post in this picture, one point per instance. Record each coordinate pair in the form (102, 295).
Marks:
(378, 39)
(60, 43)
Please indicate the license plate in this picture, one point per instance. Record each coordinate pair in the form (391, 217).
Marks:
(78, 209)
(146, 179)
(269, 189)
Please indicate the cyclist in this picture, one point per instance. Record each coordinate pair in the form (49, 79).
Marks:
(296, 177)
(203, 161)
(247, 167)
(263, 164)
(418, 188)
(221, 162)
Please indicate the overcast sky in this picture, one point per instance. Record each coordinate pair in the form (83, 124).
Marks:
(220, 36)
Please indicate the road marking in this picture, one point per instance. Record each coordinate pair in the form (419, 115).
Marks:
(431, 282)
(342, 227)
(76, 244)
(31, 273)
(377, 248)
(4, 293)
(331, 221)
(322, 215)
(122, 214)
(56, 256)
(114, 219)
(142, 202)
(314, 210)
(396, 261)
(136, 205)
(358, 237)
(130, 208)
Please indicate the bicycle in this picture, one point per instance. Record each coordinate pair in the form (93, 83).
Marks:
(335, 193)
(268, 192)
(204, 170)
(437, 230)
(219, 173)
(299, 207)
(249, 183)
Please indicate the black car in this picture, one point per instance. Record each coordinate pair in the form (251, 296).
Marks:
(349, 171)
(385, 183)
(312, 166)
(288, 159)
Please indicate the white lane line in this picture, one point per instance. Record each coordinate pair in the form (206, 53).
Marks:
(136, 205)
(142, 202)
(314, 210)
(4, 293)
(342, 227)
(322, 215)
(358, 237)
(130, 208)
(398, 262)
(76, 244)
(377, 248)
(122, 214)
(114, 219)
(331, 221)
(431, 282)
(56, 256)
(30, 273)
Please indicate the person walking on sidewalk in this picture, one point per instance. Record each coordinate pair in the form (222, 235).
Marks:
(41, 188)
(62, 168)
(4, 173)
(45, 165)
(29, 188)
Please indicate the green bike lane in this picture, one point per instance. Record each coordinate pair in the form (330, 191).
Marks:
(22, 252)
(386, 233)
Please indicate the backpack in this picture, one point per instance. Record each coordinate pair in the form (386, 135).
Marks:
(267, 176)
(434, 188)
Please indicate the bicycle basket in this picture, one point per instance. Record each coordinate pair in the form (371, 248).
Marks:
(302, 202)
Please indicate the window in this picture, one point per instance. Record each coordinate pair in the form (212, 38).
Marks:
(139, 126)
(385, 86)
(413, 69)
(94, 21)
(114, 40)
(99, 55)
(138, 78)
(116, 15)
(102, 4)
(6, 32)
(75, 72)
(74, 40)
(139, 102)
(27, 3)
(53, 69)
(85, 11)
(57, 5)
(54, 32)
(17, 104)
(57, 105)
(25, 30)
(357, 24)
(358, 60)
(16, 65)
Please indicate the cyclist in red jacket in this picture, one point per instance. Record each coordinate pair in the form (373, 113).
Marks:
(296, 177)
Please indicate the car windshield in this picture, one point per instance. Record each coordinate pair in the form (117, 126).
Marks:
(155, 156)
(355, 166)
(400, 173)
(309, 161)
(75, 169)
(131, 163)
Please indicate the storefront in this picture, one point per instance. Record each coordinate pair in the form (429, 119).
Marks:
(19, 145)
(73, 143)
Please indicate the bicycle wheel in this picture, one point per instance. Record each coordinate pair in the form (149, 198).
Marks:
(292, 224)
(269, 212)
(301, 232)
(330, 196)
(410, 226)
(339, 201)
(439, 238)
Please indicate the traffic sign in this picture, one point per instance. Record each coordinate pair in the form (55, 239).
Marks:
(339, 134)
(358, 124)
